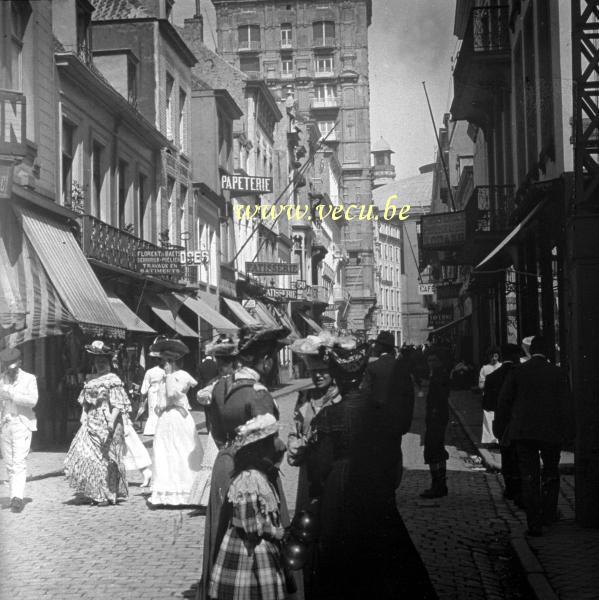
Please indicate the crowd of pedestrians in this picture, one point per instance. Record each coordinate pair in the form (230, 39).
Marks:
(346, 441)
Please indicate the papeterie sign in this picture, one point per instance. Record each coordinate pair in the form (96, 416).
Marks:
(271, 268)
(244, 184)
(443, 230)
(159, 262)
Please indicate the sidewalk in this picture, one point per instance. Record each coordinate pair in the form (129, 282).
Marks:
(564, 563)
(50, 463)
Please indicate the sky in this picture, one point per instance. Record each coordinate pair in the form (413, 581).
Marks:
(410, 41)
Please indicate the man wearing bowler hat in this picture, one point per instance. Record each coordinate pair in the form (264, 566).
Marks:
(18, 397)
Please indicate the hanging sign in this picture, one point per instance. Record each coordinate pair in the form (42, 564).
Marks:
(242, 184)
(271, 268)
(161, 261)
(426, 289)
(443, 230)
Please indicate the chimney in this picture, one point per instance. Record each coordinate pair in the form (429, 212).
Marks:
(196, 24)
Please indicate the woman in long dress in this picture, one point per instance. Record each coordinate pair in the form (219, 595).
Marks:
(223, 349)
(153, 387)
(94, 463)
(177, 447)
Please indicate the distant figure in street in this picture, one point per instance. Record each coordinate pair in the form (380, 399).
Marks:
(249, 563)
(94, 463)
(488, 415)
(177, 448)
(462, 375)
(389, 392)
(437, 417)
(511, 354)
(534, 403)
(18, 397)
(153, 387)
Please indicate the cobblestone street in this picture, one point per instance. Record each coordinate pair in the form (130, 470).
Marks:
(59, 550)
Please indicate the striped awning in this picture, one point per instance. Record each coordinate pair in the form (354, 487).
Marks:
(241, 313)
(30, 307)
(263, 315)
(207, 313)
(312, 323)
(130, 320)
(71, 275)
(168, 315)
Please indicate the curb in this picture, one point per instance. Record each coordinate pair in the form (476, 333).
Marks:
(535, 574)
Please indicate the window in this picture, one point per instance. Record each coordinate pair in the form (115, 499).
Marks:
(68, 155)
(286, 66)
(325, 127)
(132, 82)
(324, 92)
(324, 64)
(142, 203)
(248, 37)
(20, 12)
(182, 205)
(170, 82)
(286, 35)
(249, 64)
(182, 124)
(97, 180)
(170, 192)
(323, 33)
(122, 194)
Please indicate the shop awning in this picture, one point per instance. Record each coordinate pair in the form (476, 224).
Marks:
(263, 314)
(130, 320)
(312, 323)
(30, 306)
(448, 326)
(209, 314)
(287, 322)
(167, 316)
(241, 313)
(71, 274)
(511, 235)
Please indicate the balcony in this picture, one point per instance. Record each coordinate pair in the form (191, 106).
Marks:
(286, 45)
(324, 74)
(324, 42)
(482, 65)
(340, 295)
(250, 46)
(319, 294)
(324, 103)
(115, 247)
(253, 74)
(489, 209)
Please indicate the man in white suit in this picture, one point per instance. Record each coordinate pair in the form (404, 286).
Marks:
(18, 397)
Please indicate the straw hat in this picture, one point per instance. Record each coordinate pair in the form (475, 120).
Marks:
(255, 429)
(169, 348)
(99, 348)
(254, 338)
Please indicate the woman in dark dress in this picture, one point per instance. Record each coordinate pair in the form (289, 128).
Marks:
(236, 399)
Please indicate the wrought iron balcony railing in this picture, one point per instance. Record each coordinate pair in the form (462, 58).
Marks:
(490, 28)
(250, 46)
(324, 42)
(330, 102)
(115, 247)
(489, 208)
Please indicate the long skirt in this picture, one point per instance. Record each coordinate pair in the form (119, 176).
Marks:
(488, 437)
(200, 491)
(136, 455)
(94, 463)
(177, 459)
(218, 515)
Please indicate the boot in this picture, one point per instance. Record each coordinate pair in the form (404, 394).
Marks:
(438, 488)
(147, 473)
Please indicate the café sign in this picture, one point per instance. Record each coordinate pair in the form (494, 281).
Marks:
(244, 184)
(12, 123)
(271, 268)
(426, 289)
(443, 230)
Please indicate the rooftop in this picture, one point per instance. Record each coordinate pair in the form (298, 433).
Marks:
(108, 10)
(415, 191)
(382, 145)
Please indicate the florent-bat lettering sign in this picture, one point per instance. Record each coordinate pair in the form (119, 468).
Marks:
(243, 185)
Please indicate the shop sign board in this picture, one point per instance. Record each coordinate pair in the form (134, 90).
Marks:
(13, 138)
(271, 268)
(440, 317)
(443, 230)
(426, 289)
(6, 171)
(281, 294)
(158, 262)
(242, 185)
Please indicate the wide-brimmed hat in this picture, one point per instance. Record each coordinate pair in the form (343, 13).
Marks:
(99, 348)
(169, 348)
(10, 357)
(222, 346)
(256, 338)
(385, 338)
(255, 429)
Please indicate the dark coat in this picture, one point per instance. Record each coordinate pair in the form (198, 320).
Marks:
(437, 399)
(388, 386)
(207, 371)
(534, 402)
(493, 383)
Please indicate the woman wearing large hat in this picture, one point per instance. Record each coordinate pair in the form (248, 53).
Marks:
(235, 399)
(177, 447)
(94, 463)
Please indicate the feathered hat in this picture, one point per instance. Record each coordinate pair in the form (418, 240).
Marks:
(255, 429)
(222, 346)
(257, 338)
(169, 348)
(99, 348)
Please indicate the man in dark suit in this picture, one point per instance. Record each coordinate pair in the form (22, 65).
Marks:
(509, 463)
(390, 393)
(534, 402)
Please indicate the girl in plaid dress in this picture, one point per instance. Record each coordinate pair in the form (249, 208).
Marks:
(249, 565)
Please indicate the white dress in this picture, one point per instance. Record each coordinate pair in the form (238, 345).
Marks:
(153, 386)
(488, 437)
(178, 451)
(136, 456)
(200, 491)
